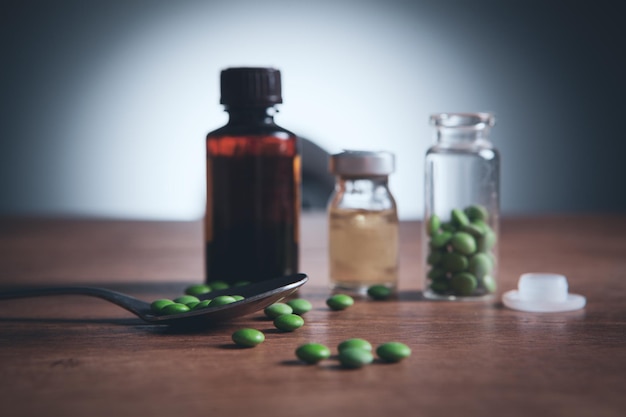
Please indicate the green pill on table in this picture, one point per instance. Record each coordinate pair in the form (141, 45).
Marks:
(476, 212)
(312, 352)
(393, 351)
(379, 292)
(463, 283)
(463, 243)
(248, 337)
(433, 225)
(186, 299)
(157, 305)
(354, 342)
(197, 289)
(355, 358)
(288, 322)
(222, 300)
(299, 306)
(238, 297)
(241, 283)
(339, 301)
(175, 308)
(277, 309)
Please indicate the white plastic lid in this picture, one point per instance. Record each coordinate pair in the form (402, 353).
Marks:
(542, 292)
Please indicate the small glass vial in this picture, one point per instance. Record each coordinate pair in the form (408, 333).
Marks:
(461, 209)
(363, 222)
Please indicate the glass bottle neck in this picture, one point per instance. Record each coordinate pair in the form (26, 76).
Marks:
(251, 115)
(462, 135)
(361, 184)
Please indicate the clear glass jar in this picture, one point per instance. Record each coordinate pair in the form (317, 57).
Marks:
(461, 213)
(363, 222)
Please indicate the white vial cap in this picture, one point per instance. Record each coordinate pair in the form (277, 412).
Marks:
(542, 292)
(362, 163)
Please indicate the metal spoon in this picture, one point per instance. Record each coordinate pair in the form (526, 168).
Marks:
(257, 296)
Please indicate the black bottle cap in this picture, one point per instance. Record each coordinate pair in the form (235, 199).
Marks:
(250, 87)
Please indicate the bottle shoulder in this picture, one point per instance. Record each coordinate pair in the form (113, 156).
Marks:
(252, 130)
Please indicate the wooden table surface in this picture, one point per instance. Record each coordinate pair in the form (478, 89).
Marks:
(80, 356)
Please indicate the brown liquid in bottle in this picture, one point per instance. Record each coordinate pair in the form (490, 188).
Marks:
(253, 205)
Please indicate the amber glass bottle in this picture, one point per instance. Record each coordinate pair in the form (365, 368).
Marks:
(253, 183)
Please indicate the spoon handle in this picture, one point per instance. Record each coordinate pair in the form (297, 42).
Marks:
(134, 305)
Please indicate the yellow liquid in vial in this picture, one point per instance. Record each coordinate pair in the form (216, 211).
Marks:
(363, 248)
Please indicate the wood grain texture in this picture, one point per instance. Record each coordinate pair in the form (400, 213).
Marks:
(76, 356)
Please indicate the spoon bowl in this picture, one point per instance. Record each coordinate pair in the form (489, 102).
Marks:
(256, 295)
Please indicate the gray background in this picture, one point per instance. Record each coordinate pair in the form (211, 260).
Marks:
(105, 104)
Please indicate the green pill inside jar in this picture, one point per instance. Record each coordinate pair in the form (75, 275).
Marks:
(440, 240)
(339, 301)
(300, 306)
(476, 212)
(355, 358)
(277, 309)
(463, 283)
(463, 243)
(433, 225)
(393, 351)
(480, 265)
(248, 337)
(459, 218)
(354, 342)
(312, 352)
(454, 262)
(288, 322)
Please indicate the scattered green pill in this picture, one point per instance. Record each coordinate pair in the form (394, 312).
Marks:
(197, 289)
(185, 299)
(355, 357)
(379, 292)
(241, 283)
(339, 301)
(288, 322)
(175, 308)
(157, 305)
(202, 304)
(355, 342)
(312, 352)
(238, 297)
(248, 337)
(222, 300)
(300, 306)
(277, 309)
(393, 351)
(218, 285)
